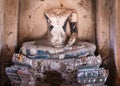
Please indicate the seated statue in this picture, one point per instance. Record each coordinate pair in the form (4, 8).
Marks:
(60, 41)
(36, 58)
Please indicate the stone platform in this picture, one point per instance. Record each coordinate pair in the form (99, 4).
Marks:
(81, 71)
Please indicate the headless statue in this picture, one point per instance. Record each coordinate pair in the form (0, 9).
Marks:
(60, 41)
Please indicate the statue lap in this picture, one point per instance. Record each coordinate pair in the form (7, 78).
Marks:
(77, 50)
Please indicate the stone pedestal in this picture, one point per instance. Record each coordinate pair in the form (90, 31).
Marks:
(83, 71)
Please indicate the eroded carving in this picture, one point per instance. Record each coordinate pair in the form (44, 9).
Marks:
(58, 50)
(61, 35)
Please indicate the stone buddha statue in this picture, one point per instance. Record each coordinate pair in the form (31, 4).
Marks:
(60, 40)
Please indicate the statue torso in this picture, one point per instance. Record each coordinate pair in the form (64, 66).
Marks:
(57, 22)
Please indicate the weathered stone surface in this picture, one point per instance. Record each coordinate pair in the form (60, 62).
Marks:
(26, 25)
(77, 50)
(1, 34)
(103, 28)
(92, 75)
(26, 71)
(115, 30)
(33, 24)
(1, 23)
(11, 24)
(59, 65)
(8, 35)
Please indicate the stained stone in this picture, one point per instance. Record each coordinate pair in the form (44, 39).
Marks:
(57, 58)
(70, 70)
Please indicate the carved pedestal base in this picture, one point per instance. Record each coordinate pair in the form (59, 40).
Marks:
(83, 71)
